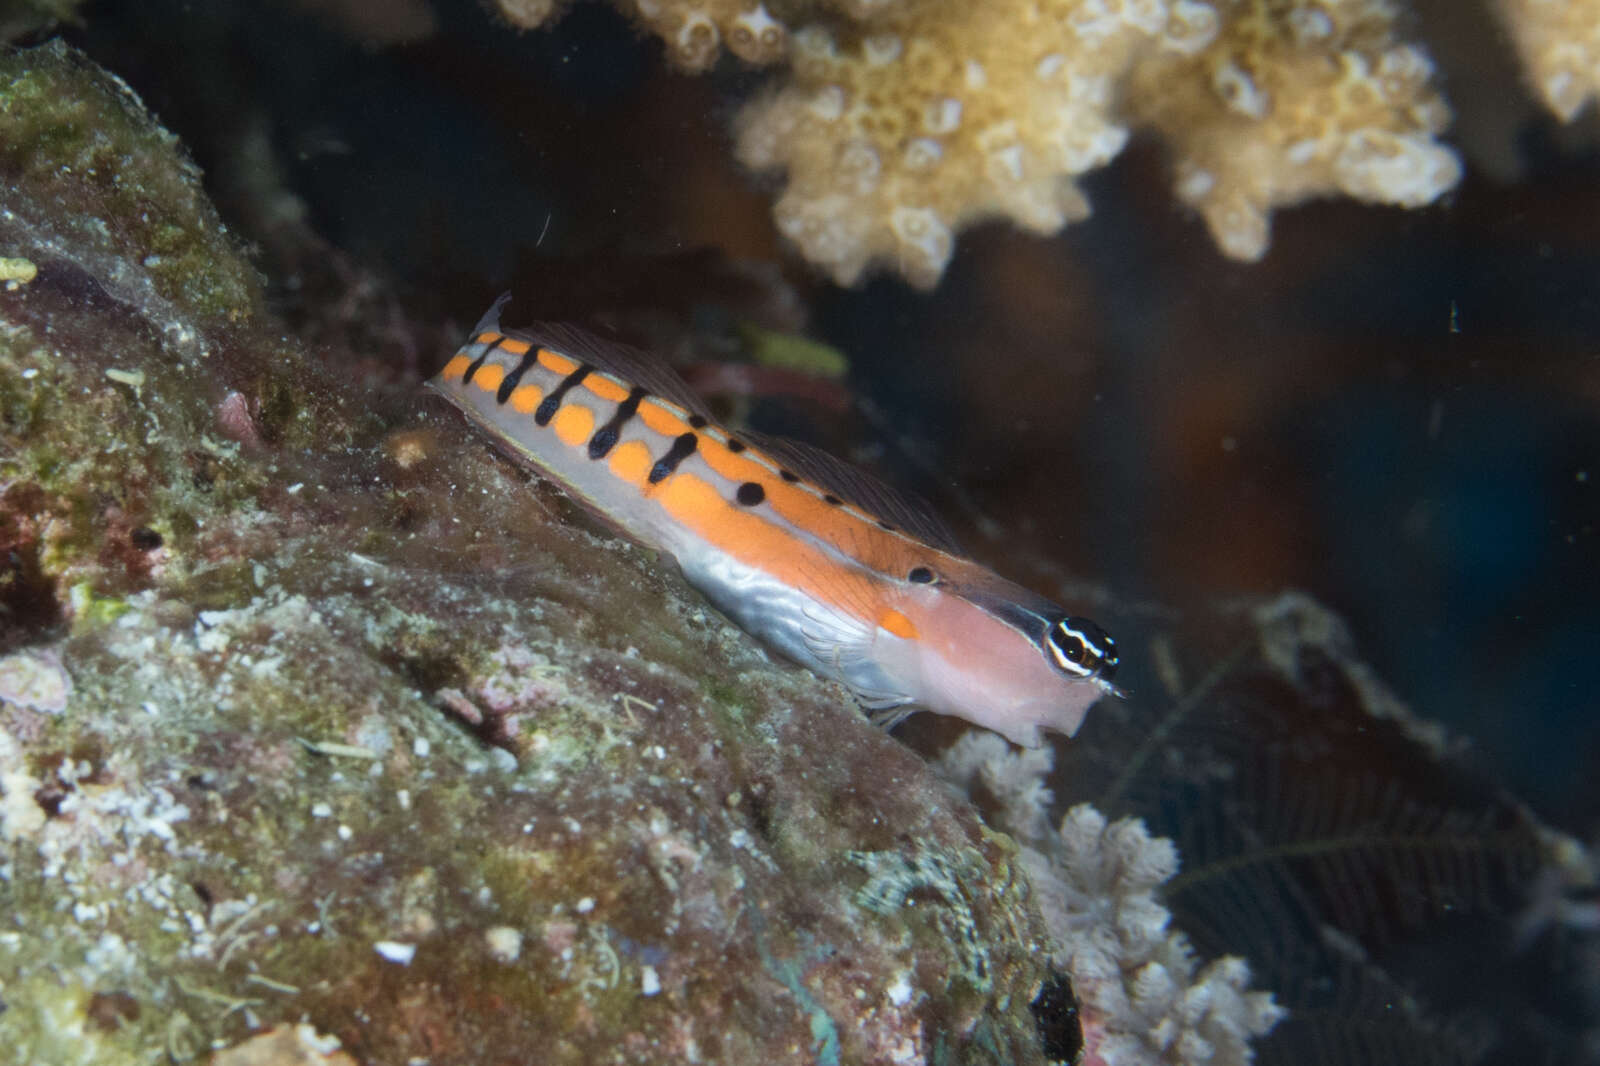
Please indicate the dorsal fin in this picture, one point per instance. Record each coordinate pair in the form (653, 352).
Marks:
(855, 486)
(633, 365)
(490, 322)
(638, 367)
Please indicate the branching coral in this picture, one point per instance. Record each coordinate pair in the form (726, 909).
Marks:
(694, 31)
(902, 121)
(1559, 42)
(894, 139)
(1146, 999)
(1293, 100)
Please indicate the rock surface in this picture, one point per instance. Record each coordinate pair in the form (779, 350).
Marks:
(344, 723)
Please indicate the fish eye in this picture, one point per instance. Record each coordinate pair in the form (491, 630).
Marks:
(1081, 648)
(920, 575)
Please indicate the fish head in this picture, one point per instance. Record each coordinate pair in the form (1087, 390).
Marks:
(1001, 657)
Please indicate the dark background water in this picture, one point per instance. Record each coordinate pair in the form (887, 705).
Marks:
(1396, 411)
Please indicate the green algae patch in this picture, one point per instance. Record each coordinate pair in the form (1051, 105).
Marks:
(100, 479)
(86, 166)
(17, 271)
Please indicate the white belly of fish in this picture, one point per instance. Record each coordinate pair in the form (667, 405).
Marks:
(803, 629)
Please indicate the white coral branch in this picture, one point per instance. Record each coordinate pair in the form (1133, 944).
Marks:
(1144, 995)
(1146, 999)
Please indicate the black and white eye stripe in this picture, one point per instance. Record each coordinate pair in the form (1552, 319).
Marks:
(1082, 649)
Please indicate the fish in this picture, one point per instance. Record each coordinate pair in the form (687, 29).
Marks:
(822, 562)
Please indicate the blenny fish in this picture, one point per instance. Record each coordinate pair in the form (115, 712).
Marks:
(829, 566)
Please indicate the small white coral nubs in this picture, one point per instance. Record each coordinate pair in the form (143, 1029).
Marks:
(1147, 998)
(1151, 1000)
(965, 111)
(694, 31)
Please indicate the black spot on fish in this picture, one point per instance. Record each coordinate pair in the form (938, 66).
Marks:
(735, 445)
(830, 498)
(750, 494)
(697, 421)
(920, 575)
(788, 475)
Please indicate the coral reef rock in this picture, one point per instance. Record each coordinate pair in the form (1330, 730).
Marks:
(319, 722)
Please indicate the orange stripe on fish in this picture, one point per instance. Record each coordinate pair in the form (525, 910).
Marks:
(822, 562)
(898, 624)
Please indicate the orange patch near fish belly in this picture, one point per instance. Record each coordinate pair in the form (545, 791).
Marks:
(631, 462)
(898, 624)
(489, 377)
(525, 398)
(514, 346)
(573, 424)
(455, 368)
